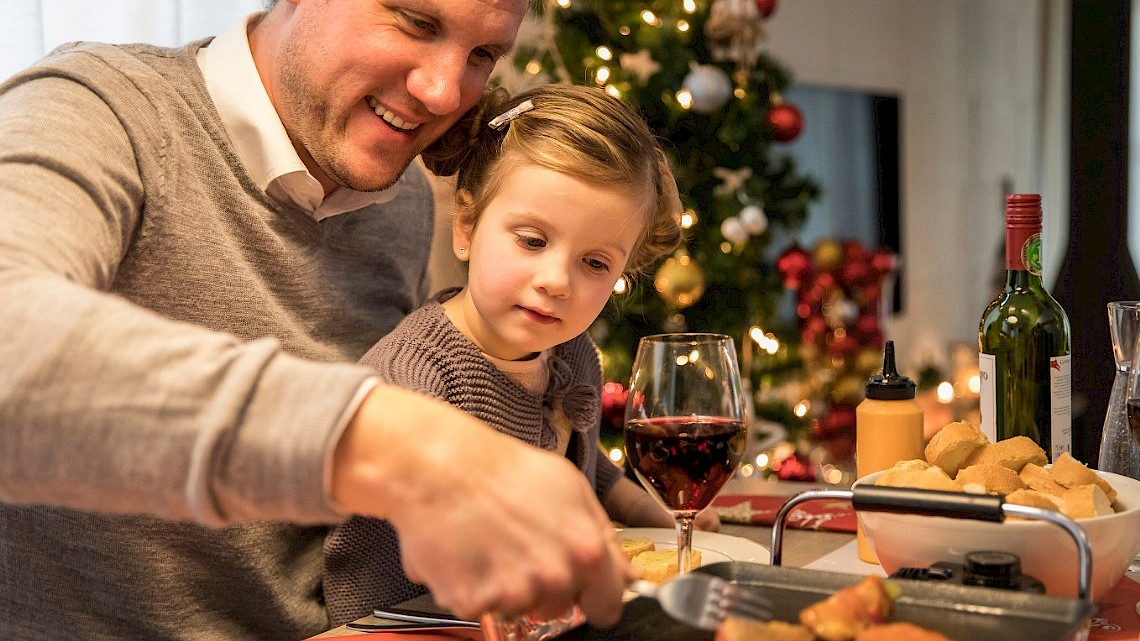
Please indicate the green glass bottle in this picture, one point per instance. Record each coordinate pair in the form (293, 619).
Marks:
(1025, 344)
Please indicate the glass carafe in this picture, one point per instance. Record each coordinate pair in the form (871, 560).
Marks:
(1119, 451)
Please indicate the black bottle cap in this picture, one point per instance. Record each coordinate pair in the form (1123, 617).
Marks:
(890, 385)
(992, 569)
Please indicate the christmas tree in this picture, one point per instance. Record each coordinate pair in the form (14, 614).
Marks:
(698, 72)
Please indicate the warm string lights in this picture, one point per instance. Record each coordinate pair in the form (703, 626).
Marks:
(636, 67)
(962, 391)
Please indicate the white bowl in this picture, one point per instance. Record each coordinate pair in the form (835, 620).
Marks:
(1047, 552)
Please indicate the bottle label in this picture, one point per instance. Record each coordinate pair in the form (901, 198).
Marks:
(1061, 404)
(988, 398)
(1031, 254)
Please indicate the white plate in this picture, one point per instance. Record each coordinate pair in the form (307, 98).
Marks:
(714, 546)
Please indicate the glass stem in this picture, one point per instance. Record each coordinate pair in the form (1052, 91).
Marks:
(685, 543)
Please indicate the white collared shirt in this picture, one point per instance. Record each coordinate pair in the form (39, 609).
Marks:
(260, 139)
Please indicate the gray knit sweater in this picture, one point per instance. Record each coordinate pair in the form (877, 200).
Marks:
(426, 352)
(177, 351)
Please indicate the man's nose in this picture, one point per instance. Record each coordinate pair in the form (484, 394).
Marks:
(438, 84)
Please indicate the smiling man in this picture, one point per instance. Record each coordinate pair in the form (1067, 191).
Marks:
(198, 244)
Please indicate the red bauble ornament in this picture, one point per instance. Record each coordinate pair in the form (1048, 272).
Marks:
(855, 273)
(839, 421)
(883, 261)
(841, 448)
(813, 330)
(843, 346)
(795, 468)
(613, 406)
(794, 264)
(786, 121)
(766, 7)
(867, 326)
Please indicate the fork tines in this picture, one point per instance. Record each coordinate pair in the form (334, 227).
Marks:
(744, 602)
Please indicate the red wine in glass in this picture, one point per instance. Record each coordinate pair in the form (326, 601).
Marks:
(685, 427)
(685, 461)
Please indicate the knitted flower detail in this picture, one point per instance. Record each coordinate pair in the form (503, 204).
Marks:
(580, 402)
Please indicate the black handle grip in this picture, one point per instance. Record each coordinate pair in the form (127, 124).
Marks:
(955, 505)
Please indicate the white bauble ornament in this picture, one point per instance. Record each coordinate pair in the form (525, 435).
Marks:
(709, 86)
(733, 231)
(754, 219)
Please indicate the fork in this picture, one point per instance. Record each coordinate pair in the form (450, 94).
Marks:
(696, 599)
(703, 600)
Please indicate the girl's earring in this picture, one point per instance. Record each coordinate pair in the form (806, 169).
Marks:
(462, 250)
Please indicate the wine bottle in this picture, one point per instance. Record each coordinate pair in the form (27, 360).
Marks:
(1025, 344)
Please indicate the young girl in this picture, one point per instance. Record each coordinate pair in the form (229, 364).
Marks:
(560, 191)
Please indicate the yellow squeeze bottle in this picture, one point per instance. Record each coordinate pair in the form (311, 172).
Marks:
(888, 428)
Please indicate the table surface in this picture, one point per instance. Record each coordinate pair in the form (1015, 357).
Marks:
(800, 547)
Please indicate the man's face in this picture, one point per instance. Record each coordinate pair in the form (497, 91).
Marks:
(363, 86)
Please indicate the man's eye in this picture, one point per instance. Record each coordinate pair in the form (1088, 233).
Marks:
(422, 25)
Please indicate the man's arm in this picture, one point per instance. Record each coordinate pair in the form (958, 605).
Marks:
(105, 405)
(487, 522)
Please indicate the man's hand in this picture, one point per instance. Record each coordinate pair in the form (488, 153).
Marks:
(488, 523)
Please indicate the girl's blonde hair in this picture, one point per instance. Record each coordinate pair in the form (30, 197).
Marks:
(579, 131)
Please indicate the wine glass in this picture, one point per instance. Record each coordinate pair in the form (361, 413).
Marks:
(1119, 450)
(1130, 466)
(685, 430)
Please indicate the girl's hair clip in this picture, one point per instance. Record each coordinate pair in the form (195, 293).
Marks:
(504, 119)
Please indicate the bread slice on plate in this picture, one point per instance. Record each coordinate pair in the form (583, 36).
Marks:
(632, 546)
(658, 566)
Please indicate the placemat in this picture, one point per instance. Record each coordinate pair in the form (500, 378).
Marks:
(1116, 618)
(754, 509)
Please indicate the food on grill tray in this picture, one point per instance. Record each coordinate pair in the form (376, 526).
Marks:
(656, 566)
(855, 613)
(960, 458)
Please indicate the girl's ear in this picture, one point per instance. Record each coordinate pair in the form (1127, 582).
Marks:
(463, 225)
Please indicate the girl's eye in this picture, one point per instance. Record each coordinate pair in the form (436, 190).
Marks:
(597, 265)
(485, 55)
(530, 242)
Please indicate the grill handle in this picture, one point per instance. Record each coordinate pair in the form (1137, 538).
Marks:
(955, 505)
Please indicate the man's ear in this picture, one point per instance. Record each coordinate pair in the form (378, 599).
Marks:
(463, 225)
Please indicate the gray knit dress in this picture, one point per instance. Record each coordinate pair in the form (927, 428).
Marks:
(426, 352)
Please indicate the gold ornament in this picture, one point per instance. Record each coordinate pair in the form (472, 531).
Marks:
(828, 254)
(679, 281)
